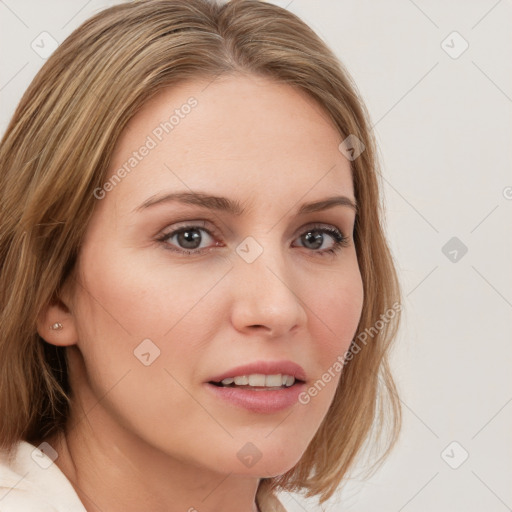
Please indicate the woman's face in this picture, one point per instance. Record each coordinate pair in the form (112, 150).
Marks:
(160, 312)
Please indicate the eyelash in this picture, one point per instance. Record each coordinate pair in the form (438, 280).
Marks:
(340, 240)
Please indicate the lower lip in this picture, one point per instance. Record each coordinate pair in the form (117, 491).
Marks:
(262, 402)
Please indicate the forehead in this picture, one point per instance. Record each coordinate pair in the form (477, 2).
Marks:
(235, 133)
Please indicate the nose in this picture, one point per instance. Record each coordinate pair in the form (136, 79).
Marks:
(264, 299)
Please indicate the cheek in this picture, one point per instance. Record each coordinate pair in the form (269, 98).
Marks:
(334, 311)
(141, 338)
(138, 296)
(145, 318)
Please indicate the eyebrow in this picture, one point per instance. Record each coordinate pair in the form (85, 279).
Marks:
(234, 207)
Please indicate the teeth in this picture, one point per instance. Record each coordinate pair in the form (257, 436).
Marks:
(272, 380)
(260, 380)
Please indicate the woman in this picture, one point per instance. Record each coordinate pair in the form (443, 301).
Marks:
(197, 295)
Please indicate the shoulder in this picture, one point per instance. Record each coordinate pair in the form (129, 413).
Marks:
(30, 481)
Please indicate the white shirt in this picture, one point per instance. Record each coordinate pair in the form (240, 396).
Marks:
(31, 482)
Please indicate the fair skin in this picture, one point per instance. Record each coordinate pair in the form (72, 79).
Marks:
(151, 437)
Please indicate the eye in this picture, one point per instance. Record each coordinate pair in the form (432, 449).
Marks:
(323, 239)
(196, 239)
(188, 239)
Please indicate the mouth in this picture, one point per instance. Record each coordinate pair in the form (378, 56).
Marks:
(261, 374)
(250, 394)
(259, 382)
(262, 387)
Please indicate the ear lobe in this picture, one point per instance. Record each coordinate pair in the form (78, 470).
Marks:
(49, 323)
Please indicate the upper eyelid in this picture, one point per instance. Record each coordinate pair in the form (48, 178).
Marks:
(203, 224)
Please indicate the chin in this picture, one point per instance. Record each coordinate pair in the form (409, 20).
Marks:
(265, 462)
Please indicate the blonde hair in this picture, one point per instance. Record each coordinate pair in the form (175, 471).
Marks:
(56, 152)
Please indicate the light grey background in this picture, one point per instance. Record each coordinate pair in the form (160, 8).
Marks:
(444, 126)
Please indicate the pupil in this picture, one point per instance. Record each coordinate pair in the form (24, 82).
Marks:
(189, 239)
(313, 241)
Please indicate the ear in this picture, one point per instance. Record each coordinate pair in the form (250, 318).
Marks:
(49, 323)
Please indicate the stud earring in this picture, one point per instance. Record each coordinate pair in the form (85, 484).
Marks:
(57, 326)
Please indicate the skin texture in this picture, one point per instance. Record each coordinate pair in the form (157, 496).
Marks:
(154, 437)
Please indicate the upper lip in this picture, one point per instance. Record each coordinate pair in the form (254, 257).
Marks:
(265, 368)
